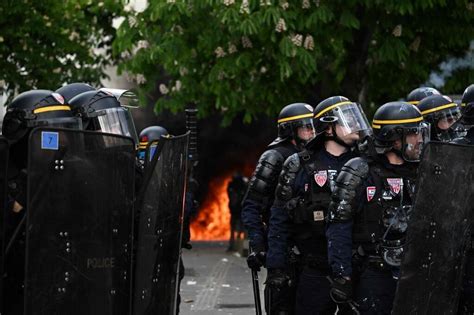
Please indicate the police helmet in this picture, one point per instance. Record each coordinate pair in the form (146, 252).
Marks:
(399, 127)
(293, 120)
(101, 111)
(415, 96)
(150, 137)
(442, 114)
(339, 110)
(73, 89)
(467, 104)
(37, 108)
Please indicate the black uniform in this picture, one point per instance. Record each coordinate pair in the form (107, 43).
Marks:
(295, 128)
(368, 219)
(256, 209)
(260, 194)
(466, 303)
(303, 197)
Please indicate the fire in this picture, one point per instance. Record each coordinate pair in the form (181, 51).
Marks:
(213, 220)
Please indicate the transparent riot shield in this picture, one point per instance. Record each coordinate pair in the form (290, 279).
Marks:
(160, 229)
(4, 148)
(79, 222)
(432, 268)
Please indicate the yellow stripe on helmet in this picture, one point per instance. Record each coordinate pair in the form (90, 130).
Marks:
(432, 110)
(396, 121)
(51, 109)
(295, 117)
(414, 102)
(332, 107)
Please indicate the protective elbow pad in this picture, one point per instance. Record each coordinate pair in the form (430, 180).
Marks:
(286, 180)
(264, 179)
(343, 199)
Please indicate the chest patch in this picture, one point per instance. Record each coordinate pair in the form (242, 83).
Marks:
(321, 178)
(371, 192)
(318, 215)
(395, 185)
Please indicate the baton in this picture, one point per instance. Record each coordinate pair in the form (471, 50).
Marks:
(15, 235)
(256, 293)
(191, 126)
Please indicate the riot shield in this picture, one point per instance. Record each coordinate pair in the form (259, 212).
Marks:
(4, 148)
(431, 270)
(160, 229)
(79, 222)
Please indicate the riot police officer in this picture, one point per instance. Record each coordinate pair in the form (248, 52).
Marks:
(70, 90)
(302, 199)
(370, 208)
(416, 95)
(101, 111)
(295, 128)
(149, 137)
(26, 111)
(466, 303)
(467, 105)
(236, 192)
(443, 116)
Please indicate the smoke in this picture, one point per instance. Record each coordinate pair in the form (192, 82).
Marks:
(446, 68)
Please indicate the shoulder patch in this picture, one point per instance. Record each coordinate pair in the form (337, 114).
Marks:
(371, 192)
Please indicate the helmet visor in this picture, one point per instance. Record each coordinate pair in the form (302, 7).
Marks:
(117, 120)
(65, 122)
(447, 126)
(303, 130)
(351, 119)
(446, 118)
(413, 141)
(126, 97)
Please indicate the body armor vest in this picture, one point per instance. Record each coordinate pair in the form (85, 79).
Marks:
(380, 225)
(309, 222)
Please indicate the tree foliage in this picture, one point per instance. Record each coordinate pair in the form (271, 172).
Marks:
(46, 43)
(254, 56)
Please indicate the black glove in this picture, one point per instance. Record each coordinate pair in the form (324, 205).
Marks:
(277, 278)
(341, 290)
(255, 260)
(187, 245)
(291, 206)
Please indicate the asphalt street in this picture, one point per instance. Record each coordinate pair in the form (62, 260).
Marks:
(216, 281)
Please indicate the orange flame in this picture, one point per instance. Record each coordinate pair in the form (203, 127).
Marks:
(213, 220)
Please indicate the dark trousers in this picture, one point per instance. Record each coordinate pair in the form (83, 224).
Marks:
(279, 301)
(375, 291)
(312, 293)
(466, 304)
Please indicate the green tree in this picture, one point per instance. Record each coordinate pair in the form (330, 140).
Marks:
(254, 56)
(46, 43)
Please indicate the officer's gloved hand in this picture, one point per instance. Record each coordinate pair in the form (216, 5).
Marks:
(187, 245)
(255, 260)
(277, 278)
(341, 290)
(291, 206)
